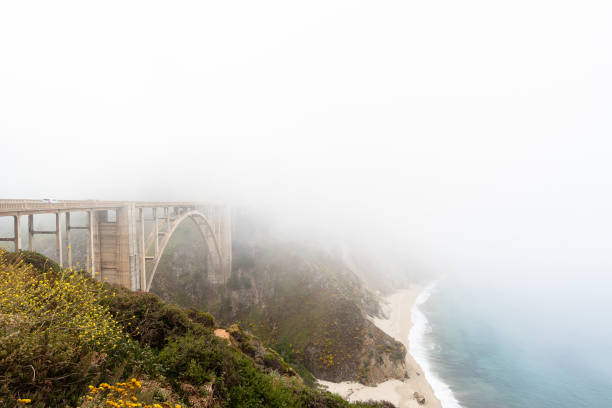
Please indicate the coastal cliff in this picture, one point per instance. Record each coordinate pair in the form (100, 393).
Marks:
(304, 302)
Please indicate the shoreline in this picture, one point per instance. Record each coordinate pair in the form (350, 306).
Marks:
(399, 309)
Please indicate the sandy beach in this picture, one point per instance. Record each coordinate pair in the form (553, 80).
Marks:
(401, 393)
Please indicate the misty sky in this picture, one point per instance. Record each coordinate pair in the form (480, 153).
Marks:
(463, 131)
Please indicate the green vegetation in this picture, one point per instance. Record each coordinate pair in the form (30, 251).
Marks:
(315, 318)
(303, 302)
(39, 262)
(55, 335)
(61, 332)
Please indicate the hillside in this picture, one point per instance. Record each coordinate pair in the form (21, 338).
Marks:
(304, 302)
(68, 341)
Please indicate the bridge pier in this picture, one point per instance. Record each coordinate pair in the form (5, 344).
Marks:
(30, 232)
(68, 241)
(91, 252)
(58, 240)
(115, 247)
(142, 267)
(17, 232)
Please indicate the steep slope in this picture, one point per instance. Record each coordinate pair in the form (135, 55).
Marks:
(61, 332)
(304, 302)
(315, 312)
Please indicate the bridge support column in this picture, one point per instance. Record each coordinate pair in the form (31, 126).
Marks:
(141, 251)
(116, 248)
(17, 232)
(132, 269)
(31, 232)
(58, 239)
(91, 256)
(68, 242)
(168, 222)
(156, 231)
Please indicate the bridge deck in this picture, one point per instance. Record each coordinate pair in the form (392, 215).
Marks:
(24, 207)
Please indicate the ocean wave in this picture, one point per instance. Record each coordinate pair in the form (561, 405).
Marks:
(420, 348)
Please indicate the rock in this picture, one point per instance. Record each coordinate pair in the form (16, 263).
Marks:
(222, 333)
(419, 397)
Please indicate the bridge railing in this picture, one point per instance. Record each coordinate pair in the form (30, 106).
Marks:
(41, 205)
(15, 206)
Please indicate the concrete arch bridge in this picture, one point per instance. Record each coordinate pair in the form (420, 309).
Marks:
(125, 239)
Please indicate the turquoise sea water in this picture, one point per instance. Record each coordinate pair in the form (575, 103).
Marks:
(528, 344)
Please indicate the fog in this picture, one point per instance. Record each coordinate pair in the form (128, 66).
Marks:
(467, 137)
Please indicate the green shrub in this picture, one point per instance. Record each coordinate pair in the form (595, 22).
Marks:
(55, 336)
(235, 379)
(60, 331)
(38, 261)
(205, 319)
(146, 318)
(193, 359)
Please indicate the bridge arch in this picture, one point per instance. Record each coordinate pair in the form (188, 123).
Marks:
(210, 241)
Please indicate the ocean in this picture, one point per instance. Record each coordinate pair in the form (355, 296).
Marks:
(517, 344)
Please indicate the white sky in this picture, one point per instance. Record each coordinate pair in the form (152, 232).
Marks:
(459, 128)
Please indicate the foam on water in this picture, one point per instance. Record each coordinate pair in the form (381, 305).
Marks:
(420, 347)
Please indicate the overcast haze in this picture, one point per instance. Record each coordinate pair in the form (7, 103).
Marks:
(465, 132)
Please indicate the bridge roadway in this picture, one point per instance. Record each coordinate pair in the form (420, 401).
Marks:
(118, 250)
